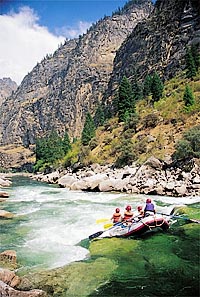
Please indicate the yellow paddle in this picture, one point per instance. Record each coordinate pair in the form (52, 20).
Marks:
(98, 221)
(106, 226)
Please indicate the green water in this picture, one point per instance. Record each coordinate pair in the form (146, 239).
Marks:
(47, 236)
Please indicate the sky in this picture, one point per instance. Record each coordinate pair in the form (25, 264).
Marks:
(29, 30)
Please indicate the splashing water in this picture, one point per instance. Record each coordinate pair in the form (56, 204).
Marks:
(50, 222)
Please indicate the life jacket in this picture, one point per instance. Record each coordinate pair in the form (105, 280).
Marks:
(149, 208)
(128, 215)
(116, 217)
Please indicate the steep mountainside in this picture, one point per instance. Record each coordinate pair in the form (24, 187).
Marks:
(63, 87)
(7, 86)
(159, 43)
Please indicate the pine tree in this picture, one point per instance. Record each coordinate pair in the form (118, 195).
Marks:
(191, 70)
(157, 87)
(188, 97)
(88, 130)
(126, 102)
(66, 143)
(147, 86)
(99, 117)
(196, 56)
(137, 89)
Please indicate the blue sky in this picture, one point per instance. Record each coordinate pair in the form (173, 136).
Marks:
(29, 30)
(56, 14)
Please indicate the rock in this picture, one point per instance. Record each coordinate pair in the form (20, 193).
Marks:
(66, 181)
(5, 182)
(154, 163)
(7, 291)
(9, 255)
(4, 195)
(6, 214)
(9, 277)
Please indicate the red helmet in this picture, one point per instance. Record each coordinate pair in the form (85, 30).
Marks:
(117, 210)
(148, 200)
(139, 208)
(128, 207)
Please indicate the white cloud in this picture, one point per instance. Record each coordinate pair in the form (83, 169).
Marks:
(72, 32)
(23, 43)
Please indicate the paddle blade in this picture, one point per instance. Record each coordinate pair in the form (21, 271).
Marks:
(106, 226)
(102, 220)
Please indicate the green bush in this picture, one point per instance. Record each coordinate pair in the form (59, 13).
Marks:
(189, 146)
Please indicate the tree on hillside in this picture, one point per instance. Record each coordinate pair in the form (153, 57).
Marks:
(88, 130)
(66, 143)
(196, 55)
(157, 87)
(99, 117)
(48, 150)
(188, 97)
(191, 68)
(188, 147)
(126, 101)
(136, 87)
(147, 86)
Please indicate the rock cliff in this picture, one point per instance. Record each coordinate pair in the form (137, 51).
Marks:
(158, 43)
(7, 86)
(59, 91)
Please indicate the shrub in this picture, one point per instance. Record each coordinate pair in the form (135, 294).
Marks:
(189, 146)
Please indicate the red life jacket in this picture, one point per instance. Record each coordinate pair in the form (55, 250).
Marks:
(128, 215)
(116, 217)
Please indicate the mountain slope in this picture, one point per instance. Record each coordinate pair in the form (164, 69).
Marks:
(63, 87)
(158, 43)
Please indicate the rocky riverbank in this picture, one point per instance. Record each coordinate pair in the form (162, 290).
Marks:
(154, 177)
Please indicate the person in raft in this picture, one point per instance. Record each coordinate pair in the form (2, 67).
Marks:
(117, 217)
(140, 212)
(128, 214)
(149, 208)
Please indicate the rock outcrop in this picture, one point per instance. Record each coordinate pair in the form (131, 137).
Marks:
(158, 43)
(59, 91)
(7, 87)
(154, 177)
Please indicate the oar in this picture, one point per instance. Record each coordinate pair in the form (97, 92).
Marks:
(180, 217)
(98, 221)
(106, 226)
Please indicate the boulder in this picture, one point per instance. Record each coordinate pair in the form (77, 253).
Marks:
(6, 214)
(7, 291)
(5, 182)
(9, 277)
(9, 256)
(66, 181)
(4, 195)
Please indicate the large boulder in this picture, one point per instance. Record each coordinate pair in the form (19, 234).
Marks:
(6, 214)
(7, 291)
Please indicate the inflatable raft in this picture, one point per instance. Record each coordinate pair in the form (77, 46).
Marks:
(136, 227)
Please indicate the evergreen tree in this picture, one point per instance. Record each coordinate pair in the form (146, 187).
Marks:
(147, 86)
(126, 102)
(191, 70)
(196, 56)
(88, 130)
(66, 143)
(137, 89)
(55, 147)
(188, 97)
(157, 87)
(99, 117)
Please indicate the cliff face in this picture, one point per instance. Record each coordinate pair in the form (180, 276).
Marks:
(158, 43)
(63, 87)
(7, 86)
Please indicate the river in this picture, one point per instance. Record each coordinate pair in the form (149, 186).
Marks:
(50, 222)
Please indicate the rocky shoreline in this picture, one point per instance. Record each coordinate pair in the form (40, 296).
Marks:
(154, 177)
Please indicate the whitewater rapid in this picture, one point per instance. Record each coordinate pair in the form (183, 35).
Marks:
(50, 222)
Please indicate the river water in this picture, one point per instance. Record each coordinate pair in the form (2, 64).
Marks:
(50, 222)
